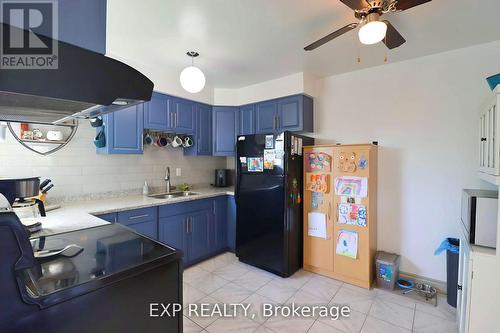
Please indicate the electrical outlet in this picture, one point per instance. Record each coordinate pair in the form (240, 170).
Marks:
(178, 172)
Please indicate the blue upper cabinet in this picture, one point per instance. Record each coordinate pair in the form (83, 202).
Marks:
(123, 131)
(156, 112)
(225, 126)
(83, 23)
(203, 137)
(293, 113)
(182, 116)
(247, 120)
(266, 117)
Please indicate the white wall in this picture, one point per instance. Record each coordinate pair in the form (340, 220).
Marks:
(77, 170)
(423, 113)
(298, 83)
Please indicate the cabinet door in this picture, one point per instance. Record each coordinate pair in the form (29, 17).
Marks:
(219, 224)
(156, 112)
(290, 113)
(225, 123)
(147, 228)
(247, 120)
(124, 130)
(464, 281)
(266, 117)
(172, 231)
(183, 116)
(231, 223)
(199, 232)
(204, 130)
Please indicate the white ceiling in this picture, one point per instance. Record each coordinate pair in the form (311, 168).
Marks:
(243, 42)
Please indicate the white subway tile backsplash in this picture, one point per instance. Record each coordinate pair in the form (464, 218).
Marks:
(77, 170)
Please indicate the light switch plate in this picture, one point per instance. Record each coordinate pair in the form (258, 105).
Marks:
(178, 172)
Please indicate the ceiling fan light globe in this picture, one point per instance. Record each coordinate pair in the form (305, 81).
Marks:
(372, 32)
(192, 79)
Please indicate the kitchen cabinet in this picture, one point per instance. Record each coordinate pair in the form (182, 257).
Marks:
(292, 113)
(182, 116)
(247, 120)
(199, 234)
(83, 23)
(123, 130)
(156, 112)
(219, 224)
(203, 138)
(143, 220)
(172, 231)
(489, 127)
(231, 223)
(225, 125)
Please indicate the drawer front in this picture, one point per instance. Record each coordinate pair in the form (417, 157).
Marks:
(137, 215)
(184, 207)
(110, 217)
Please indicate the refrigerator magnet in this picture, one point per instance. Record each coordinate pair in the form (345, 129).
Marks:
(243, 161)
(269, 157)
(269, 141)
(255, 164)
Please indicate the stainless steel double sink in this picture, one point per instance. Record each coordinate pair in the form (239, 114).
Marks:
(172, 195)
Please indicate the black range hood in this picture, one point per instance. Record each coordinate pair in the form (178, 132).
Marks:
(85, 84)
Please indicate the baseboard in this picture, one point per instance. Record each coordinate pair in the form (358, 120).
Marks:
(439, 285)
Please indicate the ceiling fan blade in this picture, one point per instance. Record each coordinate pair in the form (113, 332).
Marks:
(392, 38)
(355, 4)
(405, 4)
(331, 36)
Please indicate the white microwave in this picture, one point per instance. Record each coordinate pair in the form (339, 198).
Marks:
(480, 216)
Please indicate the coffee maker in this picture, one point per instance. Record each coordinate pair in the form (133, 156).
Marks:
(221, 177)
(22, 195)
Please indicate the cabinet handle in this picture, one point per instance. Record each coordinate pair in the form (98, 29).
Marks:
(138, 216)
(187, 225)
(277, 122)
(213, 207)
(115, 220)
(175, 120)
(483, 139)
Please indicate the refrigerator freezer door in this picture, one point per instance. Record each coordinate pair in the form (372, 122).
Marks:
(261, 154)
(260, 228)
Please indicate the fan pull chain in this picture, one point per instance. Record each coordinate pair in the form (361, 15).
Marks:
(385, 42)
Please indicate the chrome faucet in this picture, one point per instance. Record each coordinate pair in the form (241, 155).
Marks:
(167, 179)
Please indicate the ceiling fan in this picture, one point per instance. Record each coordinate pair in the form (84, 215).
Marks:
(372, 28)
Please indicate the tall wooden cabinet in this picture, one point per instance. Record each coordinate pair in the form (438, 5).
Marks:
(340, 212)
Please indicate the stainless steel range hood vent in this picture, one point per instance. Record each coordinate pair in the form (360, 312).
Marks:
(85, 85)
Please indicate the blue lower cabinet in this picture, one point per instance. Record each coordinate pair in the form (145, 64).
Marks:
(219, 224)
(123, 131)
(199, 235)
(225, 126)
(172, 231)
(231, 222)
(147, 228)
(110, 217)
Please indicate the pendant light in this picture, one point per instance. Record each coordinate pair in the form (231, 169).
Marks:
(192, 78)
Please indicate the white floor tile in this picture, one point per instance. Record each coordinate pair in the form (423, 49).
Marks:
(303, 298)
(426, 323)
(253, 279)
(393, 313)
(289, 325)
(232, 271)
(296, 281)
(373, 325)
(395, 297)
(443, 309)
(256, 302)
(208, 282)
(190, 326)
(319, 327)
(226, 325)
(323, 288)
(193, 273)
(263, 329)
(191, 294)
(198, 317)
(212, 264)
(356, 299)
(276, 291)
(351, 324)
(231, 293)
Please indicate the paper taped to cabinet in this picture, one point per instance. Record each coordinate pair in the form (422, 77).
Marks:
(317, 225)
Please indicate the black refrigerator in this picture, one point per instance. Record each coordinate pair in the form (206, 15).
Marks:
(269, 201)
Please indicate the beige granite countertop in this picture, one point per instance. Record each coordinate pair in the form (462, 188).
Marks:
(80, 214)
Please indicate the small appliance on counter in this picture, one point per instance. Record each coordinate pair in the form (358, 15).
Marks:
(221, 178)
(479, 216)
(23, 194)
